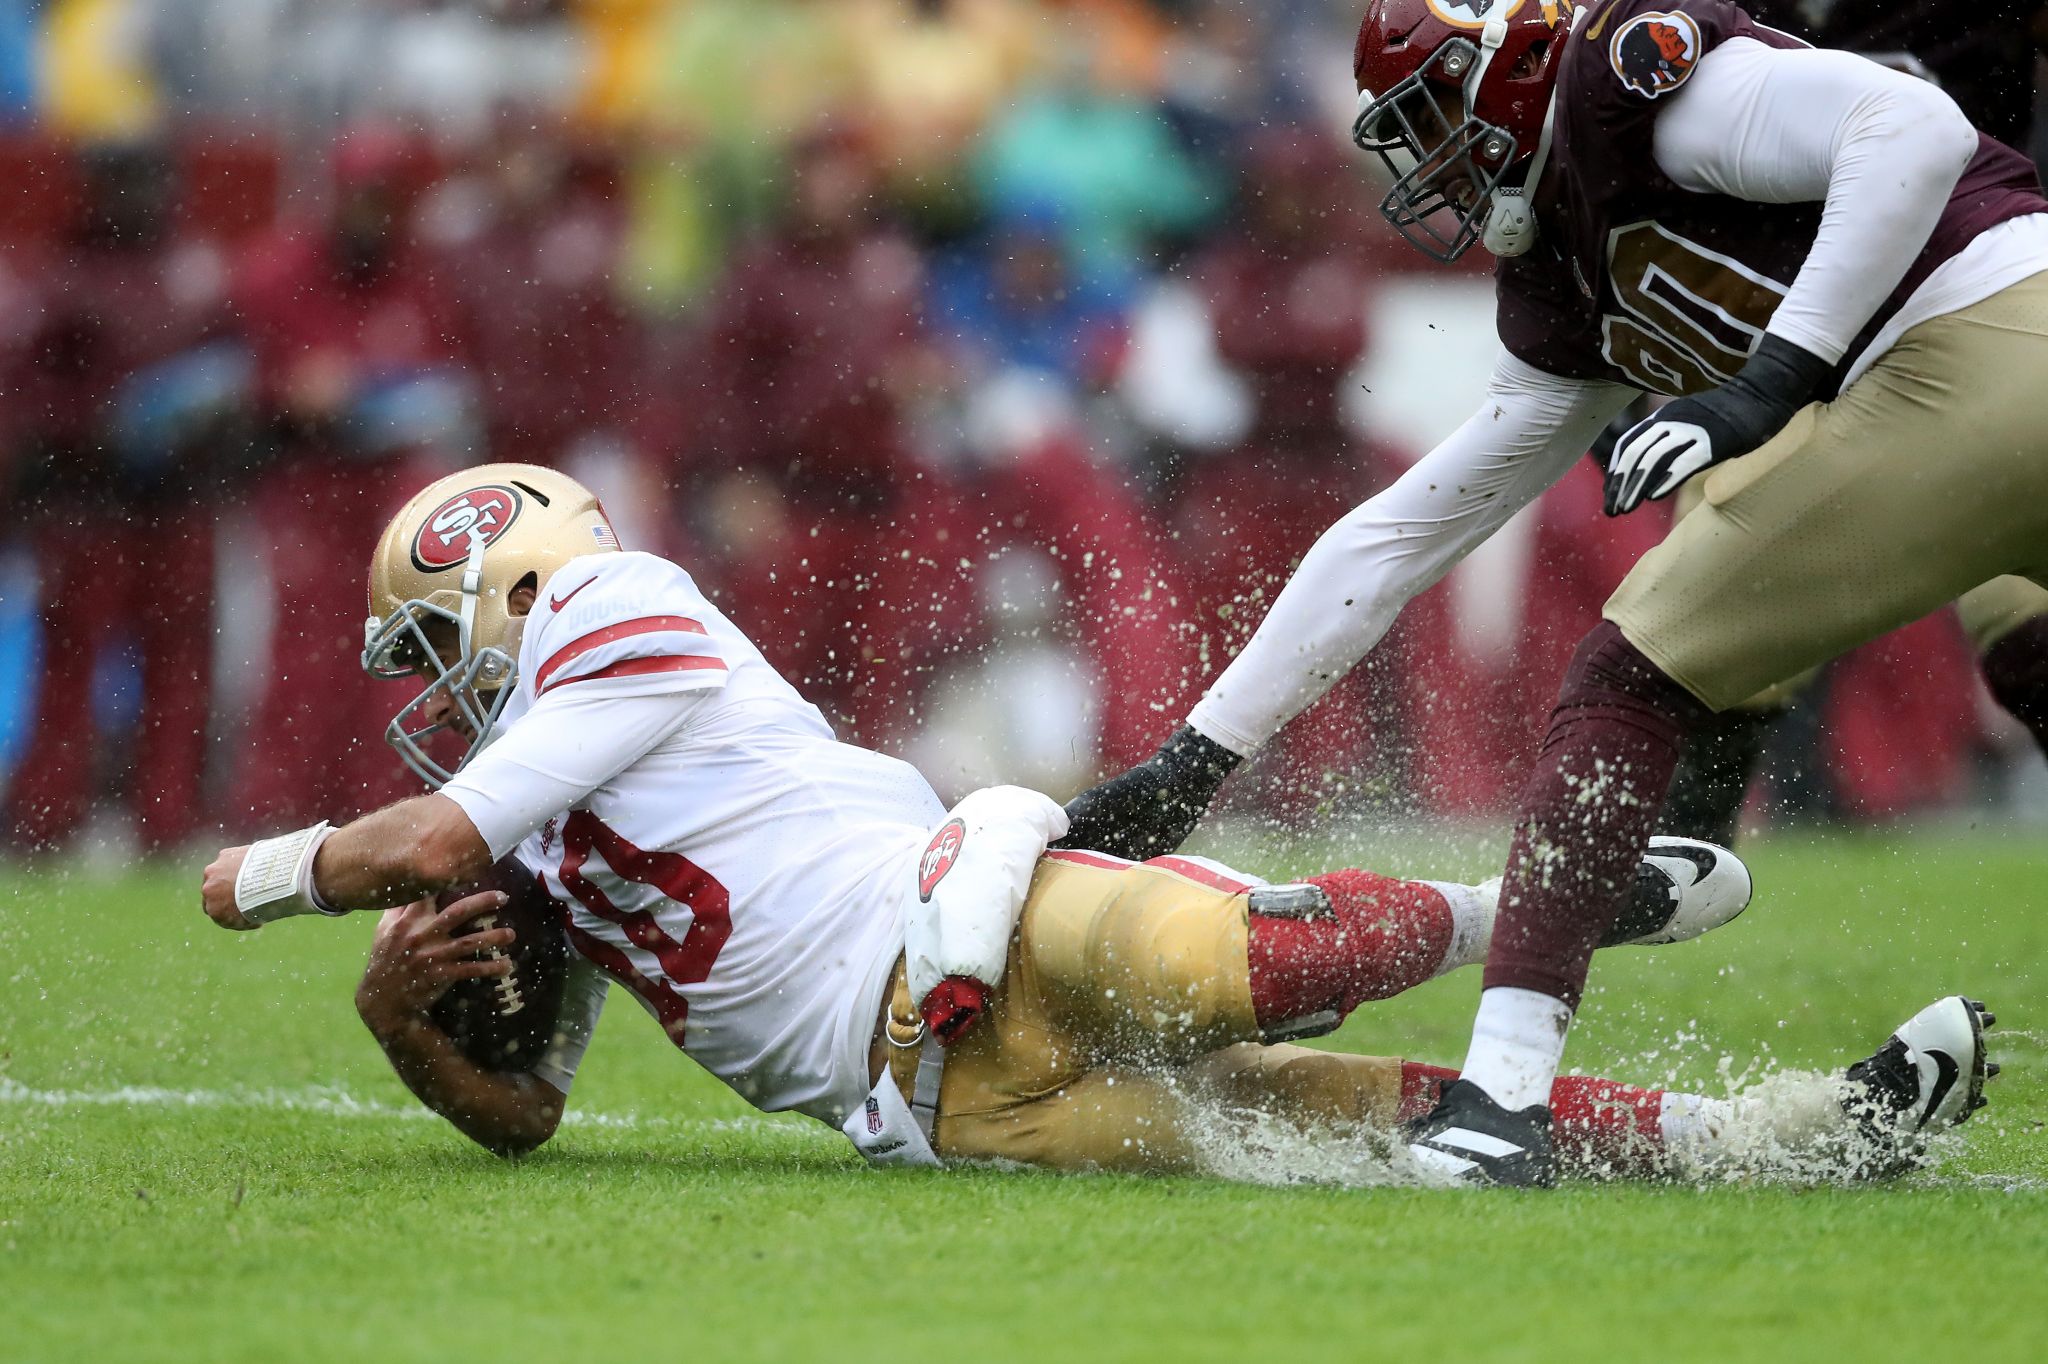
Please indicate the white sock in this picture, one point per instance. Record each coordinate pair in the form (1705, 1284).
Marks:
(1472, 913)
(1776, 1123)
(1517, 1043)
(1693, 1122)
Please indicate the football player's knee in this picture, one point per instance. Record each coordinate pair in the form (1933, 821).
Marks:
(1999, 608)
(1611, 677)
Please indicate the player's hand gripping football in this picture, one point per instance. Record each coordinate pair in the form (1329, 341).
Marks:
(1687, 435)
(418, 953)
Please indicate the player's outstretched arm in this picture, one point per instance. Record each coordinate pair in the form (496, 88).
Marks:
(1531, 428)
(415, 958)
(389, 857)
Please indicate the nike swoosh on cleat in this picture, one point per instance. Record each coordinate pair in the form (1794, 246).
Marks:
(1944, 1081)
(557, 603)
(1699, 859)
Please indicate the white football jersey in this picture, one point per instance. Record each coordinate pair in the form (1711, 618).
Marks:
(726, 859)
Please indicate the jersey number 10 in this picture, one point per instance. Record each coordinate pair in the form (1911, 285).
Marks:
(681, 880)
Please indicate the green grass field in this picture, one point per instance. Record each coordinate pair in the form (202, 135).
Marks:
(202, 1156)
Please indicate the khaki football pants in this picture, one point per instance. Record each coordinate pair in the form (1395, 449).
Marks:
(1924, 482)
(1988, 614)
(1126, 1008)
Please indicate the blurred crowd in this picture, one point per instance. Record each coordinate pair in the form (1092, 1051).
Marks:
(989, 361)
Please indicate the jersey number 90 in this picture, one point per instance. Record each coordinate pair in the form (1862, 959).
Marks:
(1691, 316)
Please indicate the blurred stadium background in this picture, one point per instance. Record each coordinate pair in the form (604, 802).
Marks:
(990, 360)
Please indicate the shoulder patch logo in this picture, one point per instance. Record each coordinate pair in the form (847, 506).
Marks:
(1472, 13)
(1654, 53)
(939, 856)
(443, 538)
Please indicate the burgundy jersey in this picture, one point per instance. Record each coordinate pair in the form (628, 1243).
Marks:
(1637, 281)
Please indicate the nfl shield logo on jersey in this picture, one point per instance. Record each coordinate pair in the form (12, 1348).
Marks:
(1654, 53)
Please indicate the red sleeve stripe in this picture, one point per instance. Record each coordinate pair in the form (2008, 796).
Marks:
(640, 667)
(610, 634)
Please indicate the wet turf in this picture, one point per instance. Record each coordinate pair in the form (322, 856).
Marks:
(203, 1157)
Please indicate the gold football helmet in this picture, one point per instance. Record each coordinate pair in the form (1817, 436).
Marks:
(440, 583)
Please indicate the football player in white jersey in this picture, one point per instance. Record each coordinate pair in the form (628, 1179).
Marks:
(806, 921)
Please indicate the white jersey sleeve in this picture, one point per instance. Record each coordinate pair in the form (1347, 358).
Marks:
(571, 742)
(1804, 125)
(1532, 427)
(630, 624)
(616, 657)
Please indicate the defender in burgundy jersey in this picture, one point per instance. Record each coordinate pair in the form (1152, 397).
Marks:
(1841, 284)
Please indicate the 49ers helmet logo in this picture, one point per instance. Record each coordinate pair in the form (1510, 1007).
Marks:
(443, 538)
(939, 856)
(1654, 53)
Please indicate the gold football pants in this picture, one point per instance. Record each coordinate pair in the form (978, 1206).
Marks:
(1126, 1003)
(1924, 482)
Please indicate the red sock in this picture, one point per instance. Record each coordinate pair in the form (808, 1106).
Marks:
(1588, 810)
(1605, 1122)
(1384, 936)
(1594, 1121)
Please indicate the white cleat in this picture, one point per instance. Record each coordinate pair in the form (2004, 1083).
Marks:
(1930, 1074)
(1683, 888)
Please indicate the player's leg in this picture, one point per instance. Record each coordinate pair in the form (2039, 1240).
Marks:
(1869, 1119)
(1720, 761)
(1118, 965)
(2007, 619)
(1862, 515)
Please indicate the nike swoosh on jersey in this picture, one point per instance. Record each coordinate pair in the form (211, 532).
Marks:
(1944, 1081)
(557, 603)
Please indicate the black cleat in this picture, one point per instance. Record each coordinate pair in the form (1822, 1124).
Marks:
(1470, 1138)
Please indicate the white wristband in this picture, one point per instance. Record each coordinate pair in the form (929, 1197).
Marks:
(276, 879)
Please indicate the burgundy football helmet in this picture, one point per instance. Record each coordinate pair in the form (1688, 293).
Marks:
(1452, 96)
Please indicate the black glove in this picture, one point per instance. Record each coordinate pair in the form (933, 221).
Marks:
(1687, 435)
(1149, 810)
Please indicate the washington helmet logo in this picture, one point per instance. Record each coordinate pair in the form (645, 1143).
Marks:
(1654, 53)
(1472, 13)
(443, 539)
(939, 856)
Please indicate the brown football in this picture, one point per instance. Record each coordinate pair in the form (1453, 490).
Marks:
(506, 1022)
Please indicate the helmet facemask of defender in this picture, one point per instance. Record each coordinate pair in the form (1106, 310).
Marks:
(441, 587)
(1453, 106)
(1444, 171)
